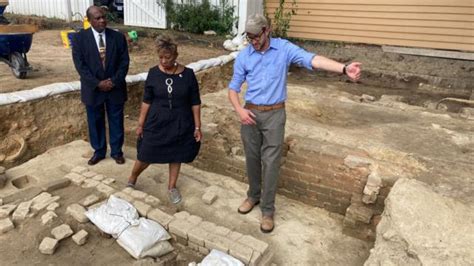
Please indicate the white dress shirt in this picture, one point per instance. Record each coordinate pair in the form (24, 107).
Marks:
(96, 37)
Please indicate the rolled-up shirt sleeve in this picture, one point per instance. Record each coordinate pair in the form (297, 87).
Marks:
(239, 74)
(299, 56)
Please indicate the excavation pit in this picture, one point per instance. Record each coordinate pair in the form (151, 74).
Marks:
(346, 145)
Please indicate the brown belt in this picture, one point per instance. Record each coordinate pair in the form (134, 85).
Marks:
(264, 107)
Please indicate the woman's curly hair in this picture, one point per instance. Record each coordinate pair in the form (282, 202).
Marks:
(166, 43)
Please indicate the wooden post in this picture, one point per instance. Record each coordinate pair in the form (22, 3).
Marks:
(68, 11)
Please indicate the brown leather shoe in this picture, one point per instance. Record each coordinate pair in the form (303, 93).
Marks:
(267, 224)
(247, 206)
(94, 160)
(119, 159)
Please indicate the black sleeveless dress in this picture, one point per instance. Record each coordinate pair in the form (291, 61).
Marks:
(168, 131)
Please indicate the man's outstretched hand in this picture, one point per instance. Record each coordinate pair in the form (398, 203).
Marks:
(353, 71)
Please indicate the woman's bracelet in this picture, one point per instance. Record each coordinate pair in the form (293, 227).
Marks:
(197, 128)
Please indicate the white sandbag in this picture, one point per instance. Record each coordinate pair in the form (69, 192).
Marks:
(141, 237)
(239, 39)
(196, 67)
(228, 45)
(114, 216)
(159, 249)
(216, 257)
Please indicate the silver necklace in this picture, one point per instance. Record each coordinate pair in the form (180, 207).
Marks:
(169, 83)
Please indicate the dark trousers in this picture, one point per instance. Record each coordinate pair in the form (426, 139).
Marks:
(96, 122)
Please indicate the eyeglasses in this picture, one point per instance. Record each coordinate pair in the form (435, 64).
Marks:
(255, 37)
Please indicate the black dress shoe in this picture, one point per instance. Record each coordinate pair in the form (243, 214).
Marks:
(94, 160)
(119, 159)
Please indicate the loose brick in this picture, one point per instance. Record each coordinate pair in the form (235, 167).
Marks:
(40, 203)
(128, 190)
(209, 197)
(89, 174)
(21, 211)
(124, 196)
(234, 236)
(218, 242)
(254, 243)
(108, 181)
(76, 178)
(197, 235)
(88, 183)
(360, 213)
(241, 252)
(79, 169)
(6, 225)
(180, 240)
(184, 215)
(193, 246)
(99, 177)
(89, 200)
(6, 210)
(160, 217)
(98, 204)
(48, 217)
(77, 212)
(56, 184)
(52, 206)
(137, 194)
(80, 237)
(152, 200)
(194, 219)
(107, 190)
(256, 258)
(208, 226)
(142, 207)
(204, 250)
(48, 245)
(222, 231)
(180, 227)
(61, 232)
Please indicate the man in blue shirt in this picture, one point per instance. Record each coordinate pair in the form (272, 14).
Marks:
(264, 66)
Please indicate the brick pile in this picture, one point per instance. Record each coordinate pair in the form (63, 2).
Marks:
(188, 230)
(201, 236)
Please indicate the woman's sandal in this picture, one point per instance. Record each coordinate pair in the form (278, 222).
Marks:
(131, 184)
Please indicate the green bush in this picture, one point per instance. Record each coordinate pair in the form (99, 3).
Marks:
(199, 17)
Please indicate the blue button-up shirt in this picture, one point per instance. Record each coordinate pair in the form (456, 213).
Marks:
(266, 72)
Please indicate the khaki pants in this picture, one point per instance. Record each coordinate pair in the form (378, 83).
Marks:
(263, 147)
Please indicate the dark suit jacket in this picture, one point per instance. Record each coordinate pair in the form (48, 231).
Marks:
(87, 62)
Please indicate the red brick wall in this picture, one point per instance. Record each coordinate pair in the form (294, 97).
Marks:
(312, 172)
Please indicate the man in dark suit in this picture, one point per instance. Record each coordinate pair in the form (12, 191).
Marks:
(101, 57)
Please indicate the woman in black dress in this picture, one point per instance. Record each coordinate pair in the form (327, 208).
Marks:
(170, 117)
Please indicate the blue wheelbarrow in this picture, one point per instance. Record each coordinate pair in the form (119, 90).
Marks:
(15, 42)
